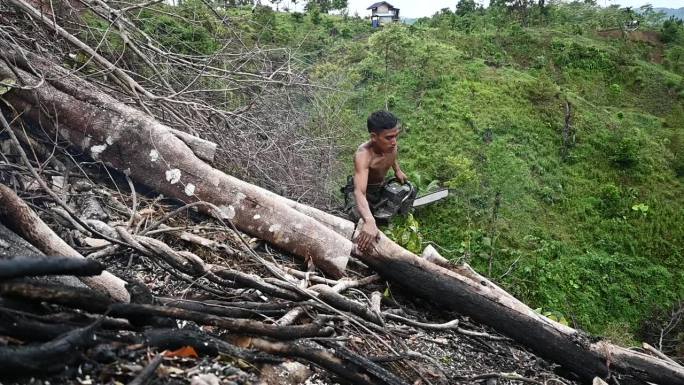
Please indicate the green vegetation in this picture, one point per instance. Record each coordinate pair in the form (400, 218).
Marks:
(584, 221)
(560, 136)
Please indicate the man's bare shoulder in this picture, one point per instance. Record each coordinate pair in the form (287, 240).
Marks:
(363, 154)
(364, 147)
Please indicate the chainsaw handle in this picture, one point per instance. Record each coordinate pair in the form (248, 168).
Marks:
(395, 179)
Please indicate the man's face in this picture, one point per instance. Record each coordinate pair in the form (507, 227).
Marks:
(386, 140)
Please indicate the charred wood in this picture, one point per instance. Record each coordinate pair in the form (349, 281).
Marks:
(203, 343)
(255, 282)
(240, 326)
(73, 297)
(22, 267)
(318, 356)
(48, 357)
(375, 370)
(218, 310)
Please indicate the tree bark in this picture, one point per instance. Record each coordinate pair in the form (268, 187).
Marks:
(204, 149)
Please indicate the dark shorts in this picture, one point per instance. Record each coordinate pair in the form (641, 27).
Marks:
(374, 195)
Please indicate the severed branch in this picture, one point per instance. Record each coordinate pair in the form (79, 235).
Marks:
(226, 310)
(506, 376)
(318, 356)
(234, 325)
(134, 87)
(23, 267)
(658, 353)
(88, 300)
(80, 298)
(332, 297)
(48, 357)
(451, 325)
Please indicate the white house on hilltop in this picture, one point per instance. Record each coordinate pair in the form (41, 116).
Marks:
(382, 13)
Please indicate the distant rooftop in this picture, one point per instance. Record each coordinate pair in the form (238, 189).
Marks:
(379, 3)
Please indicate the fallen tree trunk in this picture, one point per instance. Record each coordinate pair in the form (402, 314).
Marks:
(129, 140)
(479, 301)
(19, 217)
(485, 302)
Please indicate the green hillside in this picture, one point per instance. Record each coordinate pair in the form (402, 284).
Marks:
(561, 137)
(585, 221)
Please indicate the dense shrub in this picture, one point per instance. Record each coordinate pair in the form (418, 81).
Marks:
(575, 55)
(671, 30)
(611, 201)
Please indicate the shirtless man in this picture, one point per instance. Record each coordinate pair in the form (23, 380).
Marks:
(372, 161)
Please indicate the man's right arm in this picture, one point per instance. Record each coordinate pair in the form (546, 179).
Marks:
(369, 231)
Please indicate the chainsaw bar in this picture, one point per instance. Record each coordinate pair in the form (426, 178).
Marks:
(431, 197)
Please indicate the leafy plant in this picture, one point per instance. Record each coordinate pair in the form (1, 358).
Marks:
(611, 201)
(640, 208)
(553, 315)
(406, 232)
(624, 149)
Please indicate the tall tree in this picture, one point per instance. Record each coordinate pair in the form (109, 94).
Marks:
(465, 7)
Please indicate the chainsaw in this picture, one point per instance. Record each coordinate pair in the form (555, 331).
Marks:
(400, 198)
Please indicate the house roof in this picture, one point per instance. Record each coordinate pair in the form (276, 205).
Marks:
(379, 3)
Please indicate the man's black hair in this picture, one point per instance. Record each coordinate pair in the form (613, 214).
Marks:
(381, 120)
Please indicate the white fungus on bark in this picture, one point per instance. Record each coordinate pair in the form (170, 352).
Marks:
(95, 151)
(173, 176)
(239, 197)
(227, 212)
(189, 189)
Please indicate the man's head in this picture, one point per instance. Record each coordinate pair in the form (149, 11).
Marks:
(383, 127)
(381, 120)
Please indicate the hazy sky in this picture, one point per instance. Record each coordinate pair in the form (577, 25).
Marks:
(413, 8)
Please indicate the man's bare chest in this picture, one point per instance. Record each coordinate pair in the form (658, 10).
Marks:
(382, 162)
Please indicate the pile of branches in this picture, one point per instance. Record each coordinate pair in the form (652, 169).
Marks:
(207, 303)
(272, 126)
